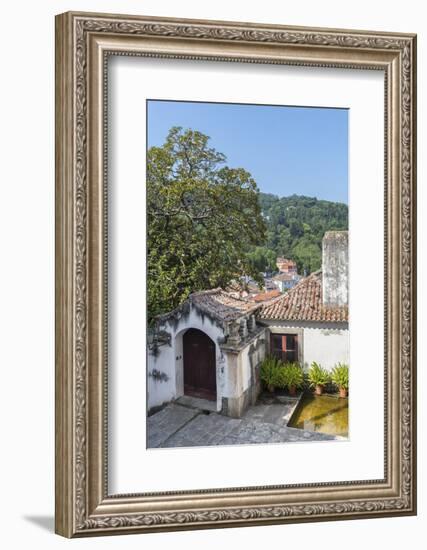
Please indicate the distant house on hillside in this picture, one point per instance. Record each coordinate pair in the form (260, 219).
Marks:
(286, 266)
(285, 281)
(269, 284)
(212, 346)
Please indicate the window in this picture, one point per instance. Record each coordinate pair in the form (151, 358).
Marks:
(285, 347)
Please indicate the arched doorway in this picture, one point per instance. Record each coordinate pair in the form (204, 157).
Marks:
(199, 365)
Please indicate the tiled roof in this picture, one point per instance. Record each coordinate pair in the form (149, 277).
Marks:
(221, 305)
(303, 303)
(264, 296)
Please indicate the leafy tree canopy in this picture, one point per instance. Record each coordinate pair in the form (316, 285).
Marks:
(203, 219)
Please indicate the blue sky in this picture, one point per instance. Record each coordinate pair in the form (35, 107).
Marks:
(287, 150)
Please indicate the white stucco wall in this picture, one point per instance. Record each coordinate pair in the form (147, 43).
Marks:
(233, 370)
(257, 355)
(169, 359)
(326, 344)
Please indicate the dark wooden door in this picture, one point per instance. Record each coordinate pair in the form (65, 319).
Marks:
(199, 365)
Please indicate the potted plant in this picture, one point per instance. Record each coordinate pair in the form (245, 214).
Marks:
(339, 377)
(293, 376)
(270, 373)
(282, 376)
(318, 377)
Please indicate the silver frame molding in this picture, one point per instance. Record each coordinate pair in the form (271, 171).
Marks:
(83, 43)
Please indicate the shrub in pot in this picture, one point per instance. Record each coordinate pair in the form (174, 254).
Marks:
(281, 381)
(339, 377)
(293, 377)
(318, 377)
(270, 373)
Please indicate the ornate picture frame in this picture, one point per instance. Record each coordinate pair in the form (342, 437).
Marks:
(84, 42)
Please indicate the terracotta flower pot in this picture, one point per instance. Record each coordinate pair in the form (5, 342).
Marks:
(343, 392)
(292, 391)
(319, 389)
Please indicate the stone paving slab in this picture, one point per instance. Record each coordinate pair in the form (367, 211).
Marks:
(180, 426)
(196, 403)
(273, 414)
(161, 425)
(205, 429)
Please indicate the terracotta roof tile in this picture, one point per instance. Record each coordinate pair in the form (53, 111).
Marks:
(264, 296)
(304, 303)
(221, 305)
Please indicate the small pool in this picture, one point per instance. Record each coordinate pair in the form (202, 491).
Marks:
(321, 413)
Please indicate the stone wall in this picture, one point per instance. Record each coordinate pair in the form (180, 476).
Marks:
(335, 268)
(241, 382)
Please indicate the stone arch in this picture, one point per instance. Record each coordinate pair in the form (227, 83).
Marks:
(179, 357)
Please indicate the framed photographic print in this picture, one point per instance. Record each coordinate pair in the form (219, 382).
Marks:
(235, 274)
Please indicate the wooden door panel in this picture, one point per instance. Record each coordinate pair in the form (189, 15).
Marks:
(199, 364)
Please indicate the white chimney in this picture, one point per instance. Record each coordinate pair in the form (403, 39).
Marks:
(335, 268)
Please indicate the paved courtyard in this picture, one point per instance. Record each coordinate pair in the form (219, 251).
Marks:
(182, 424)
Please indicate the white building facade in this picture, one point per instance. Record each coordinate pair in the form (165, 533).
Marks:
(286, 281)
(212, 346)
(325, 343)
(311, 322)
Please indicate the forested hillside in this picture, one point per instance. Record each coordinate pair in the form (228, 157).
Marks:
(295, 228)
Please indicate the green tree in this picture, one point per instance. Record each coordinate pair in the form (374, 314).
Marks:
(262, 259)
(308, 256)
(296, 226)
(203, 218)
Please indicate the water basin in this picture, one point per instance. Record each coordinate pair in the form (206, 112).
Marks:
(321, 413)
